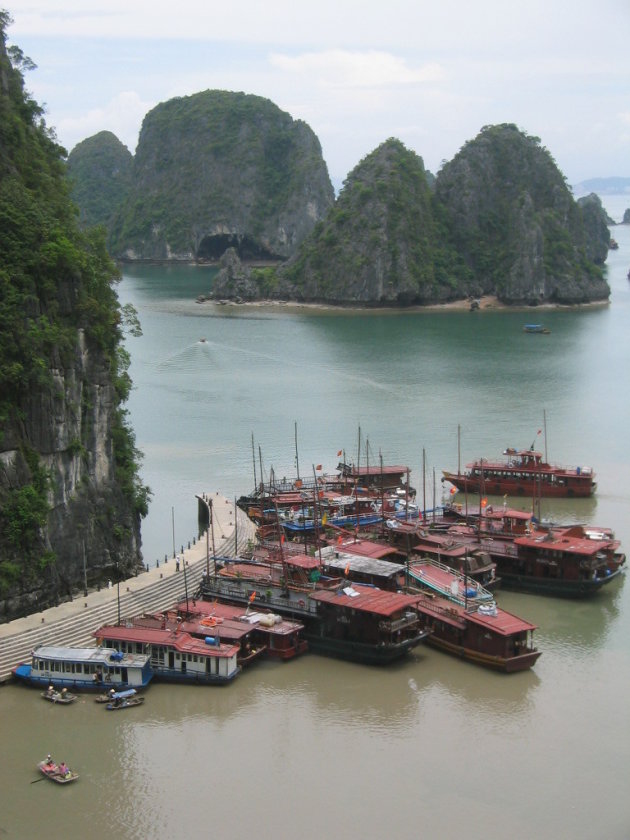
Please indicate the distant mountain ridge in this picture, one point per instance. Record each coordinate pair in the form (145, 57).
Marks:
(613, 185)
(221, 172)
(499, 220)
(213, 170)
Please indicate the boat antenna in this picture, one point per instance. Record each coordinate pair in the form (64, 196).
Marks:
(235, 528)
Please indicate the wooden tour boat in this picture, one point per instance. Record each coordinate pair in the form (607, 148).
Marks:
(58, 773)
(84, 669)
(571, 561)
(363, 624)
(463, 620)
(175, 655)
(523, 472)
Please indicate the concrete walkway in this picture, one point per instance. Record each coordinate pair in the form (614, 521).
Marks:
(74, 622)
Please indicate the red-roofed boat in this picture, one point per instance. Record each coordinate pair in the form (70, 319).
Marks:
(463, 619)
(365, 625)
(176, 656)
(523, 472)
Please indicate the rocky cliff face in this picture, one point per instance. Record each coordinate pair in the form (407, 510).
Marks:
(378, 244)
(218, 170)
(89, 531)
(70, 498)
(499, 220)
(515, 223)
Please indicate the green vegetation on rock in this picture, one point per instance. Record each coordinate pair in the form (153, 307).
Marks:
(220, 169)
(63, 370)
(100, 172)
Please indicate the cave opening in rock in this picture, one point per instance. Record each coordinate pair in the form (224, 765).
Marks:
(213, 247)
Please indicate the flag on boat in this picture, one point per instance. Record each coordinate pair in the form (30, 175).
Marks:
(453, 491)
(484, 502)
(346, 571)
(318, 467)
(252, 597)
(339, 454)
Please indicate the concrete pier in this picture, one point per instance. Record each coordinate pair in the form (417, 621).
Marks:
(73, 622)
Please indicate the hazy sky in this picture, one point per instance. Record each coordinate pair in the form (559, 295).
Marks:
(357, 71)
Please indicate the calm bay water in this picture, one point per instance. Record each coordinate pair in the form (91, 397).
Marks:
(432, 747)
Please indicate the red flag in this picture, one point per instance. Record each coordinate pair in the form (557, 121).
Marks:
(339, 454)
(318, 467)
(281, 539)
(539, 432)
(346, 571)
(252, 597)
(453, 491)
(339, 540)
(484, 502)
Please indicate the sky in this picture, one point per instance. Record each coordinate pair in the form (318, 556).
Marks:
(357, 72)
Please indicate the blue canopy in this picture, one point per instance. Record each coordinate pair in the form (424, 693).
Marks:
(120, 695)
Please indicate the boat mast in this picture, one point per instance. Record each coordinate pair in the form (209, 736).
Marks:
(459, 451)
(254, 461)
(424, 492)
(545, 428)
(356, 485)
(297, 460)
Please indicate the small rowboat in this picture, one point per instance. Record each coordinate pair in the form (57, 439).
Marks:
(124, 699)
(59, 697)
(51, 771)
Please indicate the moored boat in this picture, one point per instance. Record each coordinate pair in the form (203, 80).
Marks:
(463, 620)
(522, 472)
(361, 623)
(84, 668)
(566, 561)
(176, 656)
(485, 635)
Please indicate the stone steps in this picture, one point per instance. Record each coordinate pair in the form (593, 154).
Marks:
(148, 593)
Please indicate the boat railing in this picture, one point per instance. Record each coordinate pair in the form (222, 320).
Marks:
(409, 619)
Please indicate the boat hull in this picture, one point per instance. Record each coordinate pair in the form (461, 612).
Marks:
(55, 776)
(557, 588)
(508, 665)
(520, 487)
(361, 652)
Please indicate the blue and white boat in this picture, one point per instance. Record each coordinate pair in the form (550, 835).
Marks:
(85, 669)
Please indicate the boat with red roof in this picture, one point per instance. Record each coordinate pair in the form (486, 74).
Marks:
(570, 561)
(175, 656)
(360, 623)
(462, 618)
(523, 472)
(261, 632)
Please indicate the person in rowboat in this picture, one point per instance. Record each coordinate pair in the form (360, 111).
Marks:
(63, 769)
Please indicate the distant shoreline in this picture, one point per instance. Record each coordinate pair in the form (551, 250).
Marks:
(486, 303)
